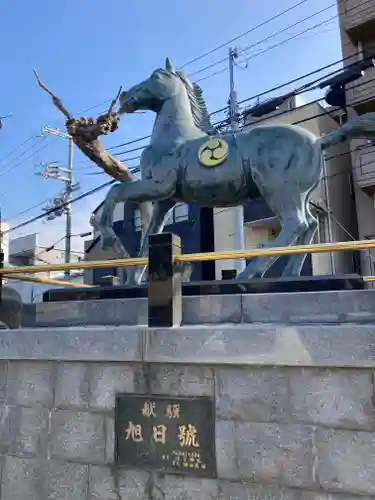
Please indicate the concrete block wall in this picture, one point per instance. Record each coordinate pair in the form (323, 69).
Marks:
(295, 414)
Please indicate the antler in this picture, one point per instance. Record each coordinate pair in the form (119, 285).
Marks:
(86, 132)
(114, 101)
(3, 118)
(56, 101)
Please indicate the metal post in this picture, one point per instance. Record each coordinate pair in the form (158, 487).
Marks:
(69, 190)
(238, 215)
(329, 216)
(1, 259)
(164, 284)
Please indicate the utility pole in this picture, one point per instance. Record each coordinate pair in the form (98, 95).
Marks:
(54, 171)
(1, 259)
(69, 191)
(238, 219)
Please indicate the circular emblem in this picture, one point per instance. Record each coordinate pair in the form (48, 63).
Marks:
(213, 152)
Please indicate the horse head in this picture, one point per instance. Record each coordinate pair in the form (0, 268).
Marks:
(152, 93)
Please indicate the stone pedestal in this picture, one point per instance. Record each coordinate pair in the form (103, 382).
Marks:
(294, 406)
(291, 381)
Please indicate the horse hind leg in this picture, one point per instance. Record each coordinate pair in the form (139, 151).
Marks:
(295, 262)
(293, 225)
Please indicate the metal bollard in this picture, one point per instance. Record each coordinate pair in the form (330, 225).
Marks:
(164, 284)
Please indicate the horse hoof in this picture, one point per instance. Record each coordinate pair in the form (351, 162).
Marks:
(108, 242)
(133, 280)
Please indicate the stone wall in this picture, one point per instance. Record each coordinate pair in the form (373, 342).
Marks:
(294, 410)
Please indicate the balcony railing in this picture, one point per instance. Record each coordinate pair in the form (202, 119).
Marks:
(361, 93)
(363, 158)
(358, 15)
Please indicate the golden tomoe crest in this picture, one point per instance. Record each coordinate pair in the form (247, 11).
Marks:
(213, 152)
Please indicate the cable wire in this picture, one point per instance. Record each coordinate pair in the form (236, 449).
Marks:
(209, 52)
(17, 148)
(266, 39)
(24, 159)
(337, 16)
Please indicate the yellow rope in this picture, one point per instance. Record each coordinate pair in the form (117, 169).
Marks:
(46, 281)
(199, 257)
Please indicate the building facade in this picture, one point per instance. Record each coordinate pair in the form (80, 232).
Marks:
(213, 229)
(357, 27)
(184, 221)
(26, 251)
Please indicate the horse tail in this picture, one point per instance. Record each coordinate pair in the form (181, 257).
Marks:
(317, 161)
(360, 127)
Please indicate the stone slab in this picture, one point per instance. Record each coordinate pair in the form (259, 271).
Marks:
(72, 344)
(264, 344)
(315, 307)
(346, 461)
(78, 436)
(315, 396)
(351, 345)
(305, 307)
(196, 310)
(36, 479)
(30, 383)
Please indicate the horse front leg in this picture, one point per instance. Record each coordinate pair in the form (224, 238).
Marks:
(160, 215)
(139, 192)
(105, 223)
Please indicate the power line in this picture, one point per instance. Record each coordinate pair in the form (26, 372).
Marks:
(93, 107)
(19, 156)
(130, 142)
(208, 53)
(24, 159)
(17, 148)
(15, 216)
(221, 61)
(43, 215)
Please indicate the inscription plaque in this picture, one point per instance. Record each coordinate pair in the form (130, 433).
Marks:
(169, 434)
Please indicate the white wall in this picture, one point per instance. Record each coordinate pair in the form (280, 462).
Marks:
(5, 240)
(33, 292)
(224, 222)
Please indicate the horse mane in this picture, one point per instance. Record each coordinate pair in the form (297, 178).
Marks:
(198, 105)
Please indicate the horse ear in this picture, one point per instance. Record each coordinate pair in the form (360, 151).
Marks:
(169, 65)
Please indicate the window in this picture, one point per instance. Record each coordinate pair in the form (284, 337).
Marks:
(101, 272)
(181, 212)
(178, 214)
(366, 49)
(137, 220)
(118, 213)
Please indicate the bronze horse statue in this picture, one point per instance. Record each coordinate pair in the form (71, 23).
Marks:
(188, 161)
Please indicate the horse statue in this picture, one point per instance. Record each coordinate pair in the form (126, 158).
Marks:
(188, 161)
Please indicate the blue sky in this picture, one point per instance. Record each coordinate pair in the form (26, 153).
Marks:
(85, 50)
